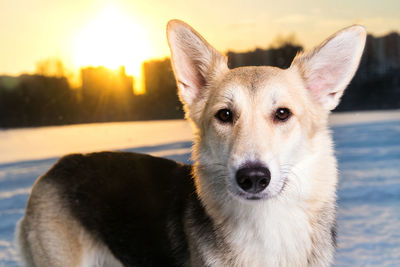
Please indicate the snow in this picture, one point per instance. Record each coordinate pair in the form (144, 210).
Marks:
(367, 146)
(369, 194)
(46, 142)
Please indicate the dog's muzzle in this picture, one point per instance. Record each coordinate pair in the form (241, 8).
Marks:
(253, 179)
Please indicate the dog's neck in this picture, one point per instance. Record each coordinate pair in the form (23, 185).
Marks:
(270, 232)
(275, 231)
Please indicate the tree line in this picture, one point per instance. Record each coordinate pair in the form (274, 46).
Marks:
(46, 98)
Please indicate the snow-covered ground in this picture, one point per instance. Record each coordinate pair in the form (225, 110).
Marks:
(367, 144)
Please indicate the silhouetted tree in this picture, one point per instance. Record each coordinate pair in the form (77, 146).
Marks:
(278, 56)
(52, 67)
(37, 100)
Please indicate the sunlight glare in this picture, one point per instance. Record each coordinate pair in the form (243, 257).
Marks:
(112, 39)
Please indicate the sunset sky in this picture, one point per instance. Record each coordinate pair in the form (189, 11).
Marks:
(125, 32)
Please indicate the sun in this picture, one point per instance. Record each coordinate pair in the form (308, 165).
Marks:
(112, 39)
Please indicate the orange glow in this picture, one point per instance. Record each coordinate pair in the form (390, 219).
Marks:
(113, 39)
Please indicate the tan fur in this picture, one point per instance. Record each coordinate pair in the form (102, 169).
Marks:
(46, 232)
(49, 236)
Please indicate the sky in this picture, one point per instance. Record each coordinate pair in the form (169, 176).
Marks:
(89, 32)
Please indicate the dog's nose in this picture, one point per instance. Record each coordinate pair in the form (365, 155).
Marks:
(253, 179)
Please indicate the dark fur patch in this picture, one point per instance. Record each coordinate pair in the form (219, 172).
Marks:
(134, 203)
(334, 234)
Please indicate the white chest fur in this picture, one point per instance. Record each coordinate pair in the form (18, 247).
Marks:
(269, 234)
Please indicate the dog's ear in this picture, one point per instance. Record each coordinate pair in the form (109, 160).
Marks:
(195, 62)
(328, 68)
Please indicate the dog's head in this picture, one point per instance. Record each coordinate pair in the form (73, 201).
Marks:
(256, 124)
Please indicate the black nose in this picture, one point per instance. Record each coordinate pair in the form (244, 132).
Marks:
(253, 179)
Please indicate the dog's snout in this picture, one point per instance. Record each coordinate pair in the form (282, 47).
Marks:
(253, 179)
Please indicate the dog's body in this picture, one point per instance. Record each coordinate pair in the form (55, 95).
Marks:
(264, 178)
(82, 190)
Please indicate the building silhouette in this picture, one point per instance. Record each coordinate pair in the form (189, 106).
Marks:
(98, 81)
(106, 94)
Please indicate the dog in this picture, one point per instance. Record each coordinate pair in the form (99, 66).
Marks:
(261, 191)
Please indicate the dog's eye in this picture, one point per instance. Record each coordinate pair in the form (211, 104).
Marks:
(224, 115)
(282, 114)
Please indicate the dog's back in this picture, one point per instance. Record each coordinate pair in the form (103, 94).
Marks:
(131, 202)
